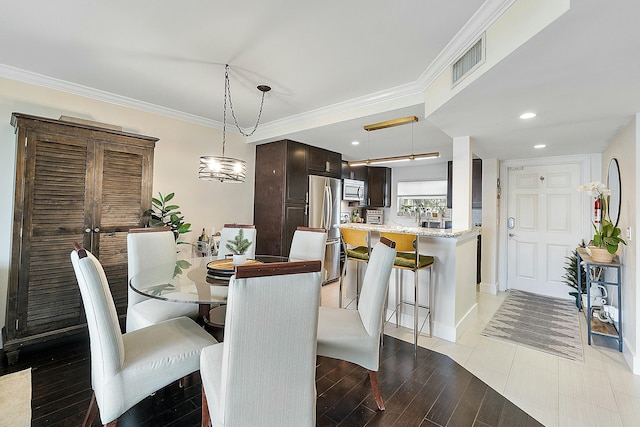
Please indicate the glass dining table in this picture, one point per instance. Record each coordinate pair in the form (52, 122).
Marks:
(203, 281)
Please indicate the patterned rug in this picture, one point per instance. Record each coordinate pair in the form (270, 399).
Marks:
(540, 322)
(15, 399)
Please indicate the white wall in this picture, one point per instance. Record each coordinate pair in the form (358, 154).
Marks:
(490, 222)
(204, 204)
(623, 148)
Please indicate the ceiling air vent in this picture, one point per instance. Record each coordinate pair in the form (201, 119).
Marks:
(469, 61)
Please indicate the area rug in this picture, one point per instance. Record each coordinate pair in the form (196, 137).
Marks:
(15, 399)
(539, 322)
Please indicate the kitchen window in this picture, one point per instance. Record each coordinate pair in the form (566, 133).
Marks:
(428, 196)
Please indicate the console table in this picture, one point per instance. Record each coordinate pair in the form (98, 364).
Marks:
(595, 326)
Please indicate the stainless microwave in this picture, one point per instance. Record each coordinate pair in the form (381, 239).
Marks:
(352, 190)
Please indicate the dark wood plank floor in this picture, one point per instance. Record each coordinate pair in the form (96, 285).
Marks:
(424, 390)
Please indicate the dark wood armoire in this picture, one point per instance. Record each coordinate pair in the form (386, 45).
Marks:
(75, 182)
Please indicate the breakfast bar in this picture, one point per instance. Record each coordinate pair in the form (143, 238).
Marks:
(454, 276)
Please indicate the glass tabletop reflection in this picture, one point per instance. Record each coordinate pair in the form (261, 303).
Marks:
(187, 280)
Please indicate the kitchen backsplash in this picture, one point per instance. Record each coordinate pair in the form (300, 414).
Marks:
(476, 217)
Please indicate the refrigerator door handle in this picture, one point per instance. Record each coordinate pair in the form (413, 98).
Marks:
(329, 208)
(325, 207)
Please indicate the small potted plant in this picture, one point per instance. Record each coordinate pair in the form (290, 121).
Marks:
(238, 247)
(606, 237)
(571, 276)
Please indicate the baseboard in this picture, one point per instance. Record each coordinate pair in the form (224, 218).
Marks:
(630, 357)
(466, 321)
(488, 288)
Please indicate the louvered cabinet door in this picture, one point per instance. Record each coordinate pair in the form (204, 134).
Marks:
(122, 194)
(75, 182)
(57, 208)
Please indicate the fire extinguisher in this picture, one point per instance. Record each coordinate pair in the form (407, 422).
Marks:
(597, 211)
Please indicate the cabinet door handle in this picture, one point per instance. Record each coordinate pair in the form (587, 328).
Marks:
(96, 230)
(87, 230)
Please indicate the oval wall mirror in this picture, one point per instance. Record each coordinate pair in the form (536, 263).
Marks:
(614, 184)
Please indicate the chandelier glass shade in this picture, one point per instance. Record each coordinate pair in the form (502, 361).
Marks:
(222, 168)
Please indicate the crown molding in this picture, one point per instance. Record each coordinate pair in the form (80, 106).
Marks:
(379, 102)
(100, 95)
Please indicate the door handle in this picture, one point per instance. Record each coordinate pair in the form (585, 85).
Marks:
(87, 230)
(512, 235)
(96, 230)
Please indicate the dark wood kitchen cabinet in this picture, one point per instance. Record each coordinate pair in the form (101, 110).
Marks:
(74, 183)
(280, 195)
(378, 187)
(476, 184)
(358, 173)
(377, 183)
(281, 185)
(324, 162)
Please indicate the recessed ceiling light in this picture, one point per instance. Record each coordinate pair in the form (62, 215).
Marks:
(528, 116)
(539, 145)
(355, 142)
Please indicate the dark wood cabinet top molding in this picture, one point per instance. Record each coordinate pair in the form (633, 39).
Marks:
(73, 126)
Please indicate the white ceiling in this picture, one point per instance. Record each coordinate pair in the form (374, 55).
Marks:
(581, 74)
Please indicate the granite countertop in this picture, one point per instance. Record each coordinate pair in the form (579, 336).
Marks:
(420, 231)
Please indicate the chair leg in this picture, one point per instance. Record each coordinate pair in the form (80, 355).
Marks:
(91, 412)
(401, 298)
(431, 301)
(342, 276)
(206, 418)
(373, 376)
(358, 283)
(415, 311)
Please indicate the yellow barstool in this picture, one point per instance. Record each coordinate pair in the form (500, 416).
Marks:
(357, 247)
(408, 258)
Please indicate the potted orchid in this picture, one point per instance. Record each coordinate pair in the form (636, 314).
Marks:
(606, 237)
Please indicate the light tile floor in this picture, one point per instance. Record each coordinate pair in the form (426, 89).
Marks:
(601, 391)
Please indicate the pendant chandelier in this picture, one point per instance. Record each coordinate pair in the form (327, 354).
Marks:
(228, 169)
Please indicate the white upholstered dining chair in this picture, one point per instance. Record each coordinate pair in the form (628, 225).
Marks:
(229, 232)
(263, 374)
(307, 244)
(126, 368)
(149, 248)
(354, 335)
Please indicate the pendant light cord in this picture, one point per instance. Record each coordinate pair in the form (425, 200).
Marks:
(227, 91)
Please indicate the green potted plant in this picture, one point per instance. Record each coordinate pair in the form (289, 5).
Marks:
(571, 275)
(606, 237)
(163, 214)
(238, 247)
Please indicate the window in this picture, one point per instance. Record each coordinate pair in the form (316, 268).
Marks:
(428, 196)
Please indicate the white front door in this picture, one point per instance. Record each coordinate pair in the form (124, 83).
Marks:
(543, 226)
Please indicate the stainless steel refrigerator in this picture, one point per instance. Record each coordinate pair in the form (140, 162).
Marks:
(324, 212)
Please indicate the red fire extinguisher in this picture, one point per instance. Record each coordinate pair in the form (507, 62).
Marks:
(597, 211)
